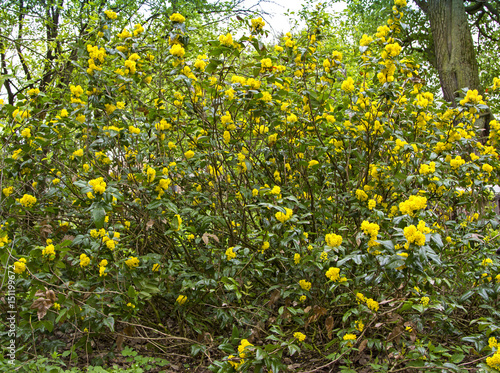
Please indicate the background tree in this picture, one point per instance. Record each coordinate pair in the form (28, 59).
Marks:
(449, 48)
(41, 41)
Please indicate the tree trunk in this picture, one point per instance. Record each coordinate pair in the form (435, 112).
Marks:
(455, 56)
(456, 60)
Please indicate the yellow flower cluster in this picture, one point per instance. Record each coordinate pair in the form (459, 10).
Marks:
(49, 251)
(413, 204)
(372, 304)
(227, 40)
(456, 162)
(102, 268)
(20, 115)
(424, 301)
(98, 185)
(370, 229)
(230, 254)
(333, 240)
(427, 168)
(33, 91)
(487, 168)
(181, 299)
(333, 274)
(486, 262)
(132, 262)
(284, 217)
(26, 133)
(176, 17)
(365, 40)
(392, 50)
(472, 97)
(8, 191)
(299, 336)
(4, 237)
(243, 346)
(257, 24)
(349, 337)
(359, 325)
(494, 361)
(27, 200)
(177, 50)
(76, 91)
(110, 14)
(361, 195)
(382, 32)
(492, 342)
(78, 153)
(163, 185)
(416, 234)
(306, 285)
(95, 53)
(20, 266)
(138, 29)
(84, 260)
(348, 85)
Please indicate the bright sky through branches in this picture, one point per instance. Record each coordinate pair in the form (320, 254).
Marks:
(277, 8)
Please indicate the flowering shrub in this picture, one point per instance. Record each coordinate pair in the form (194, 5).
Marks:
(280, 194)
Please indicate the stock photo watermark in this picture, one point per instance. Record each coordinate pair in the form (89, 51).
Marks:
(11, 314)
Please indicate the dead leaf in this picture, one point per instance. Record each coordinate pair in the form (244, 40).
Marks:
(362, 345)
(329, 326)
(119, 342)
(129, 330)
(318, 310)
(149, 224)
(275, 295)
(206, 237)
(395, 334)
(44, 301)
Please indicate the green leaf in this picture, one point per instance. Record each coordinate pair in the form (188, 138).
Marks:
(98, 215)
(110, 323)
(465, 296)
(260, 354)
(131, 292)
(293, 349)
(457, 358)
(49, 325)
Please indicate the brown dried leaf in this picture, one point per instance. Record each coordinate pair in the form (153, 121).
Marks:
(329, 326)
(149, 224)
(318, 310)
(395, 334)
(206, 237)
(119, 342)
(41, 305)
(312, 319)
(68, 237)
(129, 330)
(275, 295)
(307, 309)
(362, 345)
(51, 295)
(44, 301)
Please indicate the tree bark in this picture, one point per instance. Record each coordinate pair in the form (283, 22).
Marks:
(456, 60)
(455, 55)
